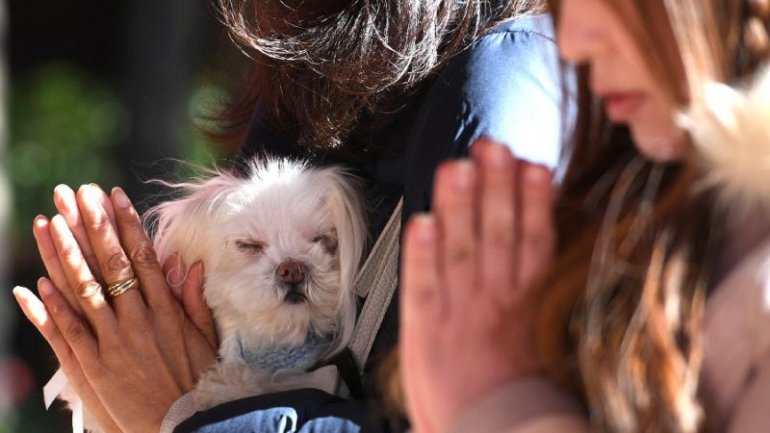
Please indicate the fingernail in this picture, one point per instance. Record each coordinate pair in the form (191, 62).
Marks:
(18, 291)
(62, 190)
(174, 276)
(89, 192)
(59, 224)
(537, 176)
(64, 200)
(463, 176)
(44, 287)
(499, 156)
(425, 228)
(120, 198)
(40, 221)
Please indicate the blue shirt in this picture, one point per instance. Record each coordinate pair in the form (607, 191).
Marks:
(506, 86)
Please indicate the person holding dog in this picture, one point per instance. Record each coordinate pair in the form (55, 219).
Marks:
(389, 89)
(645, 306)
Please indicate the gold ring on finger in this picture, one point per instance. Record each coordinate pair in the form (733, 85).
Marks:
(120, 287)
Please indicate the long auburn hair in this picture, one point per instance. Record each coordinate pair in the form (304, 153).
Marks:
(335, 72)
(620, 309)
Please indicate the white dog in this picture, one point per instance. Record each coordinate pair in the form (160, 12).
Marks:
(280, 249)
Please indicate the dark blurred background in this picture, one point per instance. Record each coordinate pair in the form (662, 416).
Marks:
(92, 91)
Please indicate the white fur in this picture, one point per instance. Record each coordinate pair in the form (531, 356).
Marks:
(284, 206)
(731, 133)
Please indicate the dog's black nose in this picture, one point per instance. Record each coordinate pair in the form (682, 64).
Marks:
(291, 272)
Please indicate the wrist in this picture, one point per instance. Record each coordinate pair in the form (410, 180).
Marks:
(515, 404)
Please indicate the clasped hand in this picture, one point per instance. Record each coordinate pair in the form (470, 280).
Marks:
(467, 269)
(130, 356)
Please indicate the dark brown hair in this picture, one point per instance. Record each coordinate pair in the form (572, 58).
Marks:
(330, 73)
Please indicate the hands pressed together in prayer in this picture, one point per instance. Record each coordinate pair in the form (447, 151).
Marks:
(126, 345)
(467, 268)
(466, 275)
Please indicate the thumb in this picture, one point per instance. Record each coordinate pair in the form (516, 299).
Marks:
(195, 304)
(173, 269)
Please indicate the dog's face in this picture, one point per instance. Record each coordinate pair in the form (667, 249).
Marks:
(279, 249)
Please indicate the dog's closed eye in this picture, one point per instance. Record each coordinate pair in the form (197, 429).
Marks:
(328, 241)
(250, 247)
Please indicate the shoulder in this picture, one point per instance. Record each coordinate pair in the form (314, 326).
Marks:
(519, 51)
(515, 40)
(514, 59)
(506, 86)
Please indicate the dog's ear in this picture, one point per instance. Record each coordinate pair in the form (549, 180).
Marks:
(344, 202)
(182, 226)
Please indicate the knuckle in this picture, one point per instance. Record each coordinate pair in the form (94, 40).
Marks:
(117, 262)
(56, 307)
(425, 293)
(54, 335)
(75, 331)
(539, 243)
(144, 254)
(89, 290)
(142, 334)
(48, 254)
(70, 253)
(499, 233)
(138, 337)
(490, 320)
(165, 313)
(168, 316)
(99, 223)
(461, 251)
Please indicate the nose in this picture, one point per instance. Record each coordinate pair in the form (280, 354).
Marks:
(579, 31)
(291, 272)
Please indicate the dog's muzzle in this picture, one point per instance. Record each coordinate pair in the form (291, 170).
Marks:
(293, 275)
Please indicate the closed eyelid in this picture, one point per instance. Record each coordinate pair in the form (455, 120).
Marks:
(250, 245)
(328, 240)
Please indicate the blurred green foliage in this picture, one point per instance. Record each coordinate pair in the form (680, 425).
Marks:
(64, 127)
(63, 124)
(199, 151)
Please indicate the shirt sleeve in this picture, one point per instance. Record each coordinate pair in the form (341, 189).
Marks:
(512, 92)
(508, 86)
